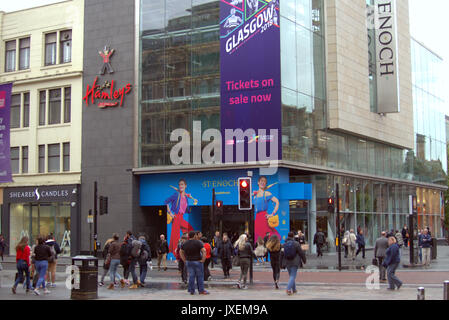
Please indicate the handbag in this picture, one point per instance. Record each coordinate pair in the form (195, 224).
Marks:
(236, 261)
(305, 247)
(273, 221)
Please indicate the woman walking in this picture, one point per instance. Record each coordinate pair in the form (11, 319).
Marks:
(42, 254)
(274, 248)
(23, 264)
(245, 253)
(225, 251)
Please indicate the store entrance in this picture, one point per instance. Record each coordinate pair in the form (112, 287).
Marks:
(234, 222)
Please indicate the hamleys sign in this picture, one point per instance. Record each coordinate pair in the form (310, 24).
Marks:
(107, 94)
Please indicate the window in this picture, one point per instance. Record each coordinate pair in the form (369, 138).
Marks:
(54, 110)
(24, 159)
(10, 56)
(66, 46)
(42, 104)
(15, 159)
(26, 110)
(15, 111)
(41, 158)
(50, 49)
(67, 104)
(53, 157)
(24, 53)
(66, 156)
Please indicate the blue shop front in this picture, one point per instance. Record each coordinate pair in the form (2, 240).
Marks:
(183, 202)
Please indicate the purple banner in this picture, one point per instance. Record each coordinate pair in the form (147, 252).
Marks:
(5, 114)
(250, 79)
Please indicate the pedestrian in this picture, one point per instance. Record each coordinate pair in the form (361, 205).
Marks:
(42, 255)
(53, 261)
(319, 240)
(144, 257)
(293, 258)
(420, 235)
(114, 257)
(106, 261)
(360, 240)
(23, 264)
(391, 262)
(208, 258)
(181, 265)
(260, 251)
(274, 248)
(351, 243)
(215, 244)
(162, 250)
(3, 246)
(399, 239)
(380, 249)
(136, 246)
(125, 251)
(193, 254)
(405, 235)
(426, 244)
(245, 254)
(226, 253)
(345, 242)
(301, 238)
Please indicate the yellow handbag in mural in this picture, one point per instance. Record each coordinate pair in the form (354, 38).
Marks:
(273, 221)
(169, 218)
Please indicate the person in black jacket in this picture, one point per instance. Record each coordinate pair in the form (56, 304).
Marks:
(145, 256)
(162, 251)
(292, 264)
(225, 252)
(245, 253)
(274, 248)
(360, 240)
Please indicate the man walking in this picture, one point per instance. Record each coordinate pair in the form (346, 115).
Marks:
(293, 258)
(426, 243)
(361, 244)
(391, 262)
(193, 254)
(319, 239)
(380, 249)
(162, 250)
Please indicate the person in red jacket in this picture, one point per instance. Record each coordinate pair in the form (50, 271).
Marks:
(23, 252)
(208, 257)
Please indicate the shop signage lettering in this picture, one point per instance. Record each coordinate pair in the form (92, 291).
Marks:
(110, 98)
(39, 194)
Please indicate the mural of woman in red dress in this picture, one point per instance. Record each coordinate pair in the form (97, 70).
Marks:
(261, 201)
(177, 206)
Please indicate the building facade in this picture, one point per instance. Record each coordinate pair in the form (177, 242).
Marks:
(43, 58)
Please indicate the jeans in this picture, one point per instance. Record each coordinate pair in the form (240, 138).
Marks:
(143, 272)
(196, 272)
(244, 267)
(361, 248)
(113, 270)
(392, 279)
(182, 267)
(292, 271)
(41, 268)
(21, 268)
(132, 269)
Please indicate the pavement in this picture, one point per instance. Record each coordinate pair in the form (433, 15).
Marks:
(319, 279)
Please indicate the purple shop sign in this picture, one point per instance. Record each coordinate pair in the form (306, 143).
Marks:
(250, 79)
(5, 152)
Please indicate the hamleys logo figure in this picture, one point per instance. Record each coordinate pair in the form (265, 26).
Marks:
(106, 54)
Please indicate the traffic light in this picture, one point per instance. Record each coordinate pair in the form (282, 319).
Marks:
(330, 205)
(218, 207)
(245, 200)
(103, 205)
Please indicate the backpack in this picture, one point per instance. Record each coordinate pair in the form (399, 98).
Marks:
(143, 257)
(290, 250)
(106, 250)
(52, 258)
(135, 251)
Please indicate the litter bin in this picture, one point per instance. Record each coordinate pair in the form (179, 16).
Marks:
(434, 248)
(86, 287)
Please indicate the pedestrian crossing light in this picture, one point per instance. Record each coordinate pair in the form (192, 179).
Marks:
(103, 205)
(218, 207)
(245, 200)
(330, 205)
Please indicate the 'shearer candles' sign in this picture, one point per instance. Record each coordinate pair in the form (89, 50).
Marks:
(387, 56)
(250, 80)
(5, 114)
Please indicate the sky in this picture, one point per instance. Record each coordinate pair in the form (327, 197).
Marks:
(429, 23)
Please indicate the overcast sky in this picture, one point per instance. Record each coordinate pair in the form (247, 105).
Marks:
(428, 22)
